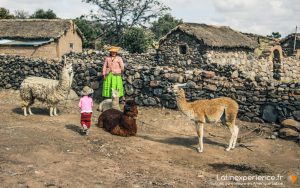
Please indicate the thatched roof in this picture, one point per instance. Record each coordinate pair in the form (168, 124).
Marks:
(35, 28)
(215, 36)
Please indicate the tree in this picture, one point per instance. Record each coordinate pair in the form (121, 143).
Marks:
(90, 29)
(163, 25)
(4, 14)
(137, 40)
(42, 14)
(21, 14)
(275, 35)
(122, 14)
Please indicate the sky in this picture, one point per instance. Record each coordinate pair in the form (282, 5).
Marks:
(251, 16)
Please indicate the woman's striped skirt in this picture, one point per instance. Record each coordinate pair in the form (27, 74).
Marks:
(112, 82)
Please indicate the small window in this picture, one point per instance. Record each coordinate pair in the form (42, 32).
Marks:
(183, 49)
(72, 46)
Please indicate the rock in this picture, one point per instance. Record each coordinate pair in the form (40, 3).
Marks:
(93, 72)
(273, 137)
(72, 95)
(149, 101)
(138, 100)
(137, 75)
(154, 83)
(167, 75)
(129, 90)
(191, 84)
(166, 96)
(158, 91)
(130, 79)
(208, 74)
(245, 118)
(138, 83)
(156, 73)
(180, 79)
(257, 120)
(95, 85)
(235, 74)
(292, 124)
(8, 86)
(270, 114)
(210, 87)
(288, 133)
(296, 115)
(250, 114)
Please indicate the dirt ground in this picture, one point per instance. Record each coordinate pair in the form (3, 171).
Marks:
(44, 151)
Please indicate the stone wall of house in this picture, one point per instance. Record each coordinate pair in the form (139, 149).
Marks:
(169, 54)
(150, 83)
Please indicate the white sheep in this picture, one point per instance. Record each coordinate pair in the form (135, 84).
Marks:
(48, 91)
(110, 103)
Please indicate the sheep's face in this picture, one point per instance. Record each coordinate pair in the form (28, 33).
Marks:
(115, 93)
(130, 109)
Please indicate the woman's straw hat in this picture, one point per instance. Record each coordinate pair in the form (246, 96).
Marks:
(114, 49)
(87, 90)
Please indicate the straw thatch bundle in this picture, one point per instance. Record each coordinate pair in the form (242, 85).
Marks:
(215, 36)
(35, 28)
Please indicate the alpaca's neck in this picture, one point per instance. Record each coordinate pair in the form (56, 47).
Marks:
(115, 102)
(65, 82)
(183, 106)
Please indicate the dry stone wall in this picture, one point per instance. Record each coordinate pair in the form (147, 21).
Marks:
(148, 80)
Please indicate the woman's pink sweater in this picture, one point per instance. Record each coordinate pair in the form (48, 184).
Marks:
(114, 65)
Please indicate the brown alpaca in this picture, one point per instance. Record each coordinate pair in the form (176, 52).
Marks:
(209, 111)
(120, 123)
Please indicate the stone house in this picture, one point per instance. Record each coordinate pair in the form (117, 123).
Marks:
(288, 43)
(39, 37)
(194, 44)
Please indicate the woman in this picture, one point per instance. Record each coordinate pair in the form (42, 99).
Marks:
(112, 73)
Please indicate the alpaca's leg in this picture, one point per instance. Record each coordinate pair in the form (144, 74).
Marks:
(25, 111)
(55, 111)
(232, 130)
(236, 132)
(51, 111)
(29, 110)
(199, 129)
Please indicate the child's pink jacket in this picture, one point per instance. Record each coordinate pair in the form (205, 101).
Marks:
(86, 104)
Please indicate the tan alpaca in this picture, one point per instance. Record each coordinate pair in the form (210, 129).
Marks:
(209, 111)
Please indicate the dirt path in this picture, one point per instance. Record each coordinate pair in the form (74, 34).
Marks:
(43, 151)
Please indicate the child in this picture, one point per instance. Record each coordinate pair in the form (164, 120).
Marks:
(85, 105)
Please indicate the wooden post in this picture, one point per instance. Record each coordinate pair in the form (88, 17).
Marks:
(295, 40)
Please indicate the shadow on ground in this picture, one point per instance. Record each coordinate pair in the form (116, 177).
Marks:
(188, 142)
(238, 167)
(75, 128)
(38, 111)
